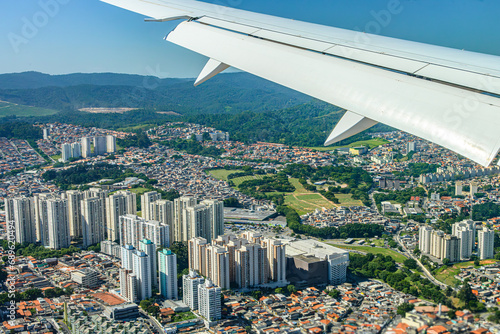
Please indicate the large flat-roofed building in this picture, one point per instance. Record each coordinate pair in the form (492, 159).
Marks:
(86, 277)
(337, 259)
(306, 270)
(122, 312)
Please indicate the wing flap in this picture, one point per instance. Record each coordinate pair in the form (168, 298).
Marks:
(350, 125)
(446, 115)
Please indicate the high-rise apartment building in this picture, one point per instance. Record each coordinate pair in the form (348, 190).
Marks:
(74, 199)
(192, 220)
(66, 152)
(76, 150)
(250, 263)
(465, 233)
(424, 239)
(167, 262)
(451, 248)
(134, 228)
(209, 301)
(20, 219)
(190, 284)
(147, 199)
(180, 223)
(142, 271)
(86, 147)
(486, 239)
(217, 265)
(93, 220)
(99, 145)
(58, 224)
(163, 211)
(116, 206)
(110, 144)
(149, 248)
(437, 244)
(276, 259)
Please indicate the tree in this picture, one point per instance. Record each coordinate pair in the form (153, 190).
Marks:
(291, 288)
(334, 293)
(465, 294)
(404, 308)
(278, 290)
(446, 261)
(477, 263)
(451, 314)
(410, 263)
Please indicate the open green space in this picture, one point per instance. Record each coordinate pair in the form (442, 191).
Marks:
(447, 274)
(222, 174)
(56, 157)
(307, 202)
(239, 180)
(11, 109)
(302, 200)
(347, 200)
(183, 316)
(135, 128)
(374, 250)
(372, 143)
(139, 191)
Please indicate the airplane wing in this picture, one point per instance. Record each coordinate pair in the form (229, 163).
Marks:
(447, 96)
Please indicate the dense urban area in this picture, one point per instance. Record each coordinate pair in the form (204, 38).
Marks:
(178, 228)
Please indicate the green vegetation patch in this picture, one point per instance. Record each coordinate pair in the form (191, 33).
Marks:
(375, 250)
(11, 109)
(222, 174)
(371, 143)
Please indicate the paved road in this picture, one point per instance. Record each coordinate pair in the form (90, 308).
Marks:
(426, 272)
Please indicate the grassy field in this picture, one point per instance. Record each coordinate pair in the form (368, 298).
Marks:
(447, 276)
(346, 200)
(222, 174)
(302, 200)
(11, 109)
(372, 143)
(56, 157)
(142, 127)
(374, 250)
(239, 180)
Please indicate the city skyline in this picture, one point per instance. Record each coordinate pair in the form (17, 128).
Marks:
(58, 37)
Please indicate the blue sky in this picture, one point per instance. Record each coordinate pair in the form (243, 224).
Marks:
(91, 36)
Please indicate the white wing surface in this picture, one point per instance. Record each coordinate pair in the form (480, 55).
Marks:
(447, 96)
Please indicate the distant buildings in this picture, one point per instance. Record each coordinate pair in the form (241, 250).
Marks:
(46, 133)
